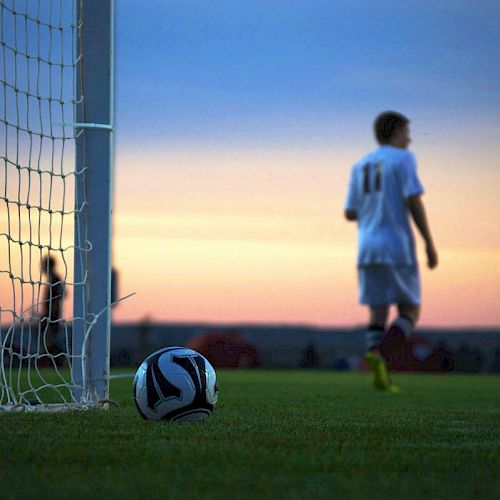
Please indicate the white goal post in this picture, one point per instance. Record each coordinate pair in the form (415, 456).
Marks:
(56, 186)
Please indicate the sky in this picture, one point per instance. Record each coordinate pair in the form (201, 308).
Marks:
(237, 123)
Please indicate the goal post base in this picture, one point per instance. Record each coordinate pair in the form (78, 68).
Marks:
(52, 408)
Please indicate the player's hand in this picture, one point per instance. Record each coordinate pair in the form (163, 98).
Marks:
(432, 256)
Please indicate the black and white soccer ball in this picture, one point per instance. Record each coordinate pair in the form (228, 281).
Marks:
(175, 383)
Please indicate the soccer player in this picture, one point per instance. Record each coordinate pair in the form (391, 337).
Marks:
(51, 305)
(384, 191)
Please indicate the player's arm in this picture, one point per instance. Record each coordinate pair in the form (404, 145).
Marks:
(352, 202)
(351, 214)
(417, 211)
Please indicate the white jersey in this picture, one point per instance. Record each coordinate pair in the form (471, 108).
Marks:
(378, 188)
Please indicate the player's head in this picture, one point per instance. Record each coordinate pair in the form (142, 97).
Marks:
(48, 264)
(392, 128)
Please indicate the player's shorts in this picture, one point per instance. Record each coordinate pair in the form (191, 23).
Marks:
(383, 284)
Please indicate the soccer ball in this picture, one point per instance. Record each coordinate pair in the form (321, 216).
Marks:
(175, 383)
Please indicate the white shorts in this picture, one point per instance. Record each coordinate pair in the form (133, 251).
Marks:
(383, 284)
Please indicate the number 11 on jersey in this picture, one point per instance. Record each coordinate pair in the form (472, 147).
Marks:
(378, 177)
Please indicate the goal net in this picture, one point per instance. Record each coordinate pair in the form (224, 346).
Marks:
(55, 203)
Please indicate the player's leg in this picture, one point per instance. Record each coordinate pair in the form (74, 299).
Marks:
(402, 327)
(376, 326)
(373, 338)
(406, 287)
(410, 312)
(393, 344)
(373, 293)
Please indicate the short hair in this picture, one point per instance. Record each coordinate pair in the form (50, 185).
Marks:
(386, 123)
(48, 259)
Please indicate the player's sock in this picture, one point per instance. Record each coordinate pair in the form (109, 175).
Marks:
(373, 337)
(401, 328)
(404, 324)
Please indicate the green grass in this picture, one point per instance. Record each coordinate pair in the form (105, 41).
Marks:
(274, 434)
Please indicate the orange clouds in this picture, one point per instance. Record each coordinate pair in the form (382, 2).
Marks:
(259, 237)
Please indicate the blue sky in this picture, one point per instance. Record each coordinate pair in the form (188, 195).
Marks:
(237, 124)
(235, 72)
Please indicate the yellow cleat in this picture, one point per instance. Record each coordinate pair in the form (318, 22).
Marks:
(394, 389)
(381, 380)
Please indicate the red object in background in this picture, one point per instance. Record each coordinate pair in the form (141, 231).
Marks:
(226, 349)
(419, 354)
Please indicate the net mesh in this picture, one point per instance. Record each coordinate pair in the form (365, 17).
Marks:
(37, 201)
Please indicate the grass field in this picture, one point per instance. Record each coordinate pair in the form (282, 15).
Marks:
(274, 434)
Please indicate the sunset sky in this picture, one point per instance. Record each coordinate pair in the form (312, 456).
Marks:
(237, 123)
